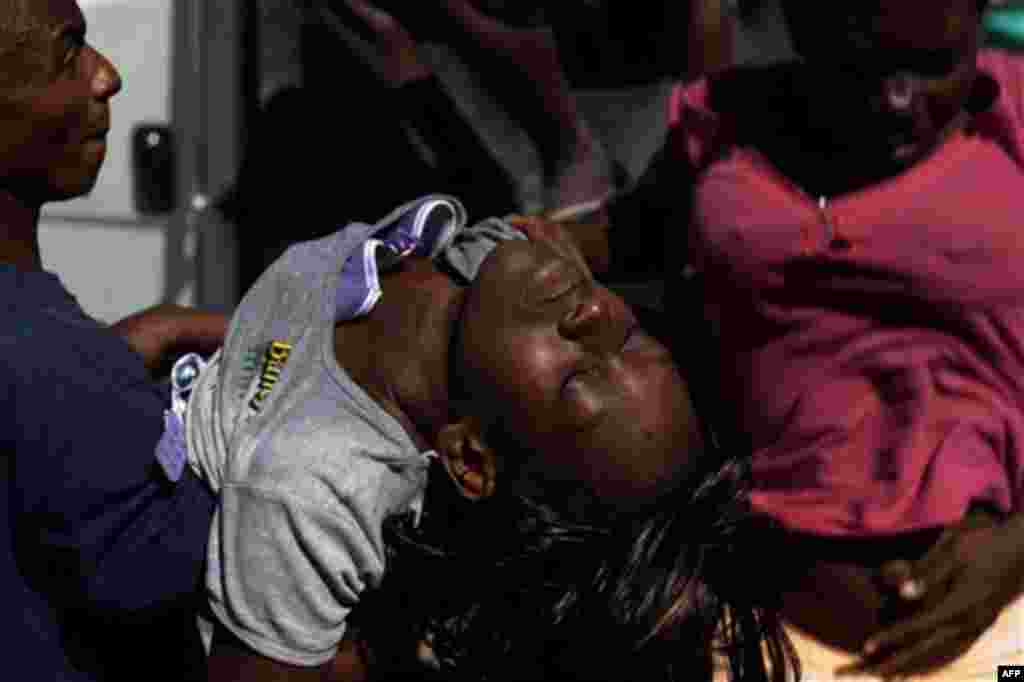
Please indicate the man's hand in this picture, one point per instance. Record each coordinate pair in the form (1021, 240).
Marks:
(960, 586)
(165, 331)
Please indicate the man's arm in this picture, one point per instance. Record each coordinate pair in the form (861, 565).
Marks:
(166, 330)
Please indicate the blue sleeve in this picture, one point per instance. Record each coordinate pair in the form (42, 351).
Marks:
(96, 525)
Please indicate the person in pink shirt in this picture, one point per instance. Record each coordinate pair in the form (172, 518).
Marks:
(854, 217)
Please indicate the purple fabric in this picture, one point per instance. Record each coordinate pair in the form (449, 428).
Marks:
(359, 287)
(421, 230)
(171, 450)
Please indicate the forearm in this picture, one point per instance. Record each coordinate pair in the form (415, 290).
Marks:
(162, 332)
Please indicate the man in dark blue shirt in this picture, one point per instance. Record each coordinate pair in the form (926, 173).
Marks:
(100, 557)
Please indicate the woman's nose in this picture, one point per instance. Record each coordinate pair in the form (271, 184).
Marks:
(586, 318)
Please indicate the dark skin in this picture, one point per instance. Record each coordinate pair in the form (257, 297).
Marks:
(874, 96)
(54, 128)
(565, 365)
(876, 93)
(167, 331)
(55, 95)
(416, 311)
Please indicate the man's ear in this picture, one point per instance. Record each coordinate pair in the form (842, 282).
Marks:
(470, 462)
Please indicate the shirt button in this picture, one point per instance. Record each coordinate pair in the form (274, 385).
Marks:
(840, 244)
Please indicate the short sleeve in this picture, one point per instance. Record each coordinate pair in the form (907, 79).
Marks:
(285, 572)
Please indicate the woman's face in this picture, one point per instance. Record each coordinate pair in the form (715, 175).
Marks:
(883, 78)
(561, 363)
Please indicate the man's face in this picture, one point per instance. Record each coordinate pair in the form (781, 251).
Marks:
(886, 76)
(561, 363)
(54, 111)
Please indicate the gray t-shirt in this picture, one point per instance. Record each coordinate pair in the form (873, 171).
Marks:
(306, 464)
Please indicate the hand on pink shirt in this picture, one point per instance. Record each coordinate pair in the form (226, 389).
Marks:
(974, 570)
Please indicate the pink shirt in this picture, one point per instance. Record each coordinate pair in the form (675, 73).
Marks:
(873, 345)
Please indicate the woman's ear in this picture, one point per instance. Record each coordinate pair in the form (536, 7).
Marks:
(470, 462)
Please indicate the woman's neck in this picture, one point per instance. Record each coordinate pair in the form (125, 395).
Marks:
(398, 354)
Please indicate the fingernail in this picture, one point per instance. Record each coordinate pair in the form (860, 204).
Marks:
(911, 589)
